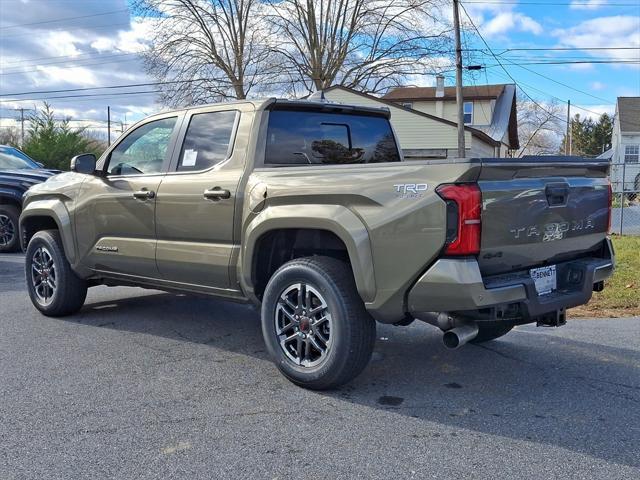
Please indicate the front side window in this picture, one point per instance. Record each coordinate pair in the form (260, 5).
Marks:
(208, 140)
(308, 137)
(631, 153)
(144, 150)
(468, 113)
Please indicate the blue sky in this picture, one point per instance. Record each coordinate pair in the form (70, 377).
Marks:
(562, 24)
(66, 44)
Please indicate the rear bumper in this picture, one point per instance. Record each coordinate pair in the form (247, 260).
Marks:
(456, 285)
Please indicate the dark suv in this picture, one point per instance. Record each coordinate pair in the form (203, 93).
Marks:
(18, 172)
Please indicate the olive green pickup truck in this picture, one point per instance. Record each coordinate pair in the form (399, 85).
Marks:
(308, 209)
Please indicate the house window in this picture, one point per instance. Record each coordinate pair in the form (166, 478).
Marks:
(468, 113)
(631, 153)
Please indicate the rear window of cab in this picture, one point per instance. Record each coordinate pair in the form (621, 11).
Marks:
(297, 137)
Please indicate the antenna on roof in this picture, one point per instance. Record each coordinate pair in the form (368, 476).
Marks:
(318, 96)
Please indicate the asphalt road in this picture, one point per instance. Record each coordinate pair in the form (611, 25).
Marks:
(143, 384)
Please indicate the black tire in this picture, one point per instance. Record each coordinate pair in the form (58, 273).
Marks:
(9, 235)
(352, 332)
(70, 291)
(488, 331)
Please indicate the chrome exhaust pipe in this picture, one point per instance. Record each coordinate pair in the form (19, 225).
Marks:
(456, 337)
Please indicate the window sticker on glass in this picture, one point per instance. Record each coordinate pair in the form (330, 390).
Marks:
(189, 157)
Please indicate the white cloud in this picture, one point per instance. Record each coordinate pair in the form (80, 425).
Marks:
(498, 20)
(53, 75)
(587, 4)
(597, 86)
(62, 44)
(133, 40)
(618, 30)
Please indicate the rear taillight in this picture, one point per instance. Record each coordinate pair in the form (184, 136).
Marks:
(609, 205)
(464, 206)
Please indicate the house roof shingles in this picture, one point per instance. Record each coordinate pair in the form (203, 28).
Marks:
(474, 92)
(629, 114)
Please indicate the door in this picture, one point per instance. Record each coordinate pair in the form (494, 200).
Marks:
(115, 215)
(196, 201)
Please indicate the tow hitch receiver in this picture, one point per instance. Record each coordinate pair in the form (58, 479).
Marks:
(553, 319)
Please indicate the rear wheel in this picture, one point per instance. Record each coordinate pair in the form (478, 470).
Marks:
(53, 287)
(488, 331)
(314, 323)
(9, 238)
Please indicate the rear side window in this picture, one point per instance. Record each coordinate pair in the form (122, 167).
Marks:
(321, 138)
(208, 140)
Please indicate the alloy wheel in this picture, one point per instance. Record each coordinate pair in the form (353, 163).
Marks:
(7, 230)
(43, 275)
(303, 325)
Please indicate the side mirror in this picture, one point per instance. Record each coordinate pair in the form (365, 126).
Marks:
(41, 165)
(85, 163)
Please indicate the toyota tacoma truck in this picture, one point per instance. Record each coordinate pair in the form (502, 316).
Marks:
(308, 210)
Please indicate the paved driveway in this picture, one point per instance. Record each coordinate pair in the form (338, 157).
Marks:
(143, 384)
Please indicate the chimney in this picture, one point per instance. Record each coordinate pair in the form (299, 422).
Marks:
(440, 86)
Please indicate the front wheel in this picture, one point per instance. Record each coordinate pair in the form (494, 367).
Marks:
(53, 287)
(314, 323)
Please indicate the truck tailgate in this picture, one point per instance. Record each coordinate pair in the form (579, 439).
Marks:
(541, 212)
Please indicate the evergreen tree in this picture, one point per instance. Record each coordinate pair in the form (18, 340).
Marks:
(589, 138)
(53, 142)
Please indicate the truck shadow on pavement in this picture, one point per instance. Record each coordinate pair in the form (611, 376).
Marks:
(534, 385)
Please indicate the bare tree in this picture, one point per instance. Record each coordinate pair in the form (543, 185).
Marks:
(540, 127)
(364, 44)
(10, 136)
(206, 50)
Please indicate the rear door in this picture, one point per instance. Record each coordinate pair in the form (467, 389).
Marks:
(541, 212)
(197, 199)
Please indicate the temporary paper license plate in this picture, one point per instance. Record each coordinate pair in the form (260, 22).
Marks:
(544, 279)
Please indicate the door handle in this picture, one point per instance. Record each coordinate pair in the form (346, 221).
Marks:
(217, 193)
(144, 194)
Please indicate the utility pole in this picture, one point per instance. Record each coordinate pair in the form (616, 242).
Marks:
(459, 99)
(567, 137)
(21, 110)
(108, 125)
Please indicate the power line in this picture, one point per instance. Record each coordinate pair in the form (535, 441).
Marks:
(96, 57)
(19, 72)
(505, 50)
(62, 29)
(89, 95)
(560, 83)
(577, 62)
(84, 89)
(70, 58)
(63, 19)
(505, 70)
(586, 4)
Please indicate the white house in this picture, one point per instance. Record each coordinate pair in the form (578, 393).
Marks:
(421, 135)
(625, 146)
(488, 108)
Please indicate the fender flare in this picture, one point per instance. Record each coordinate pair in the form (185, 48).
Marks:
(336, 219)
(56, 210)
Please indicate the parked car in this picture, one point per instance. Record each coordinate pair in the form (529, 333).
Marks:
(307, 209)
(18, 172)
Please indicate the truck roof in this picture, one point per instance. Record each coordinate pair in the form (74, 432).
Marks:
(301, 104)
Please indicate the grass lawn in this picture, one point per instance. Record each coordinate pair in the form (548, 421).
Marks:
(621, 295)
